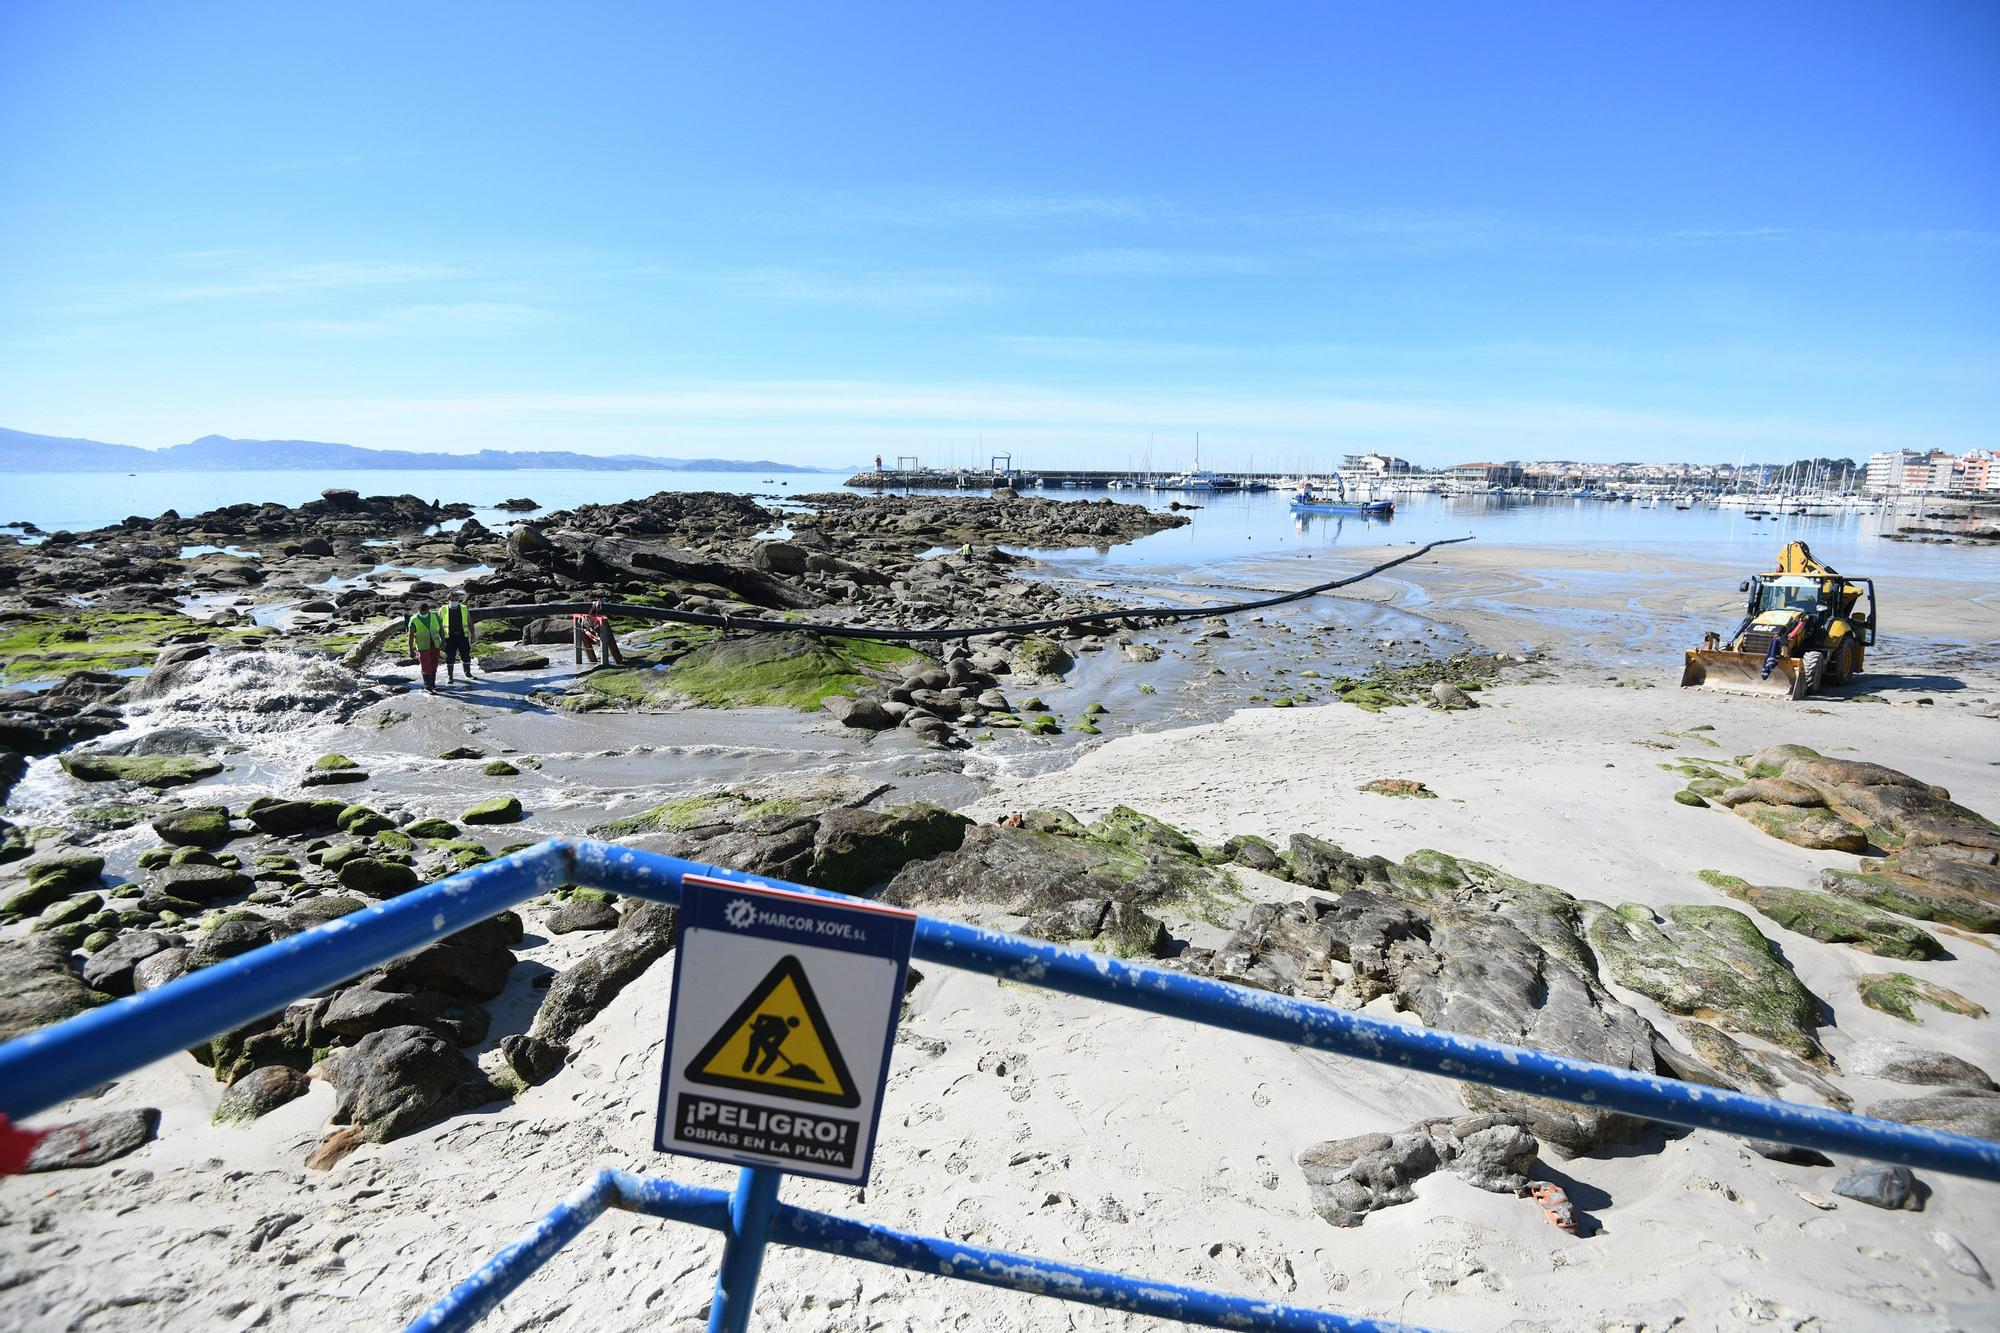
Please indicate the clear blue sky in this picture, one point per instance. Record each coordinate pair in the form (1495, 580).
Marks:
(817, 232)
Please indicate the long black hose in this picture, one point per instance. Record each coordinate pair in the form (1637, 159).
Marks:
(1154, 613)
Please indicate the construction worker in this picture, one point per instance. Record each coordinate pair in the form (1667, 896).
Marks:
(425, 636)
(457, 636)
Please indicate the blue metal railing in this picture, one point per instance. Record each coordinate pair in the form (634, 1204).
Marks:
(45, 1067)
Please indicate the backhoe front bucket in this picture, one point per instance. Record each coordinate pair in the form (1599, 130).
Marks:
(1713, 669)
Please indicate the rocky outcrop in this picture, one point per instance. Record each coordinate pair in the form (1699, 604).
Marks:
(259, 1092)
(844, 849)
(1832, 918)
(582, 990)
(1944, 858)
(1710, 962)
(1973, 1111)
(1350, 1178)
(36, 986)
(400, 1079)
(931, 520)
(1901, 1062)
(1088, 884)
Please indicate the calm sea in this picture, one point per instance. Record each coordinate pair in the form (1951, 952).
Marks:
(1226, 527)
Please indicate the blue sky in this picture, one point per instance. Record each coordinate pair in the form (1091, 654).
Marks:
(1079, 232)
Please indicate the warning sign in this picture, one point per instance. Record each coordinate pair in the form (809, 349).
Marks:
(778, 1038)
(784, 1015)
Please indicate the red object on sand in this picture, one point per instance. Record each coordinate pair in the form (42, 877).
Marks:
(16, 1146)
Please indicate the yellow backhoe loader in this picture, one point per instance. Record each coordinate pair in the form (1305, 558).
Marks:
(1805, 624)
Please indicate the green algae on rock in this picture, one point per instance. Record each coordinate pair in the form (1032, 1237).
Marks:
(1830, 918)
(145, 770)
(775, 670)
(1710, 963)
(716, 807)
(34, 646)
(499, 810)
(1898, 994)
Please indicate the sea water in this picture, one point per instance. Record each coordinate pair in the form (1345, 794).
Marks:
(1226, 527)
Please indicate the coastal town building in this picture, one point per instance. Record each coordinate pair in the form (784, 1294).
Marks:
(1378, 465)
(1489, 474)
(1885, 470)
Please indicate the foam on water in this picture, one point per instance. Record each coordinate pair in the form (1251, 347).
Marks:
(268, 691)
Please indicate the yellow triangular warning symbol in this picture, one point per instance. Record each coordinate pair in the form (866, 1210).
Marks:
(777, 1041)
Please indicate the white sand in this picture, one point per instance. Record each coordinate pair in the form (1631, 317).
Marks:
(1057, 1127)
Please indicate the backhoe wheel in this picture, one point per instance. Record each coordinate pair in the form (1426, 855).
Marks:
(1811, 667)
(1837, 669)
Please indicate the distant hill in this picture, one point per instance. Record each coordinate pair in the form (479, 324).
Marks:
(22, 452)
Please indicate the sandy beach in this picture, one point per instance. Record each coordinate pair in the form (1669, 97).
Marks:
(1043, 1124)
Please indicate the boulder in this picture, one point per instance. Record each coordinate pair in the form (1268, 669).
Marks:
(498, 810)
(377, 878)
(471, 965)
(50, 879)
(1710, 962)
(158, 969)
(402, 1078)
(258, 1092)
(582, 914)
(36, 986)
(1349, 1178)
(1889, 1187)
(1462, 946)
(843, 849)
(194, 826)
(356, 1011)
(1901, 1062)
(863, 713)
(199, 883)
(110, 969)
(92, 1142)
(286, 819)
(230, 938)
(1450, 697)
(1971, 1111)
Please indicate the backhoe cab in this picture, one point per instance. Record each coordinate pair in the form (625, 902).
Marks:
(1803, 624)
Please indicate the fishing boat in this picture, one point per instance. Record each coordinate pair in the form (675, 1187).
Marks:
(1311, 499)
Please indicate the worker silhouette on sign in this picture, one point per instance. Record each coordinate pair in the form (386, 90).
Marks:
(767, 1034)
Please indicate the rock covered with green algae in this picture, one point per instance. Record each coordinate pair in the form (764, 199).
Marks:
(1711, 963)
(1945, 858)
(37, 987)
(718, 807)
(778, 670)
(1830, 918)
(1098, 883)
(145, 770)
(499, 810)
(1898, 994)
(195, 826)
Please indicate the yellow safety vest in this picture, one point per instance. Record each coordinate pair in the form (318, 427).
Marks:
(458, 620)
(427, 630)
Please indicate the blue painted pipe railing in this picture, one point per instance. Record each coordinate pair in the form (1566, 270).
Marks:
(804, 1229)
(45, 1067)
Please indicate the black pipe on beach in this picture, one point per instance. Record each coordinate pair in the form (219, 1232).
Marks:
(1160, 614)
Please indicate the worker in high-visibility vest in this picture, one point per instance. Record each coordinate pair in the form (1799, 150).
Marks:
(425, 636)
(457, 636)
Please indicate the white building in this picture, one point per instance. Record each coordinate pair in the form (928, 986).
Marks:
(1885, 471)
